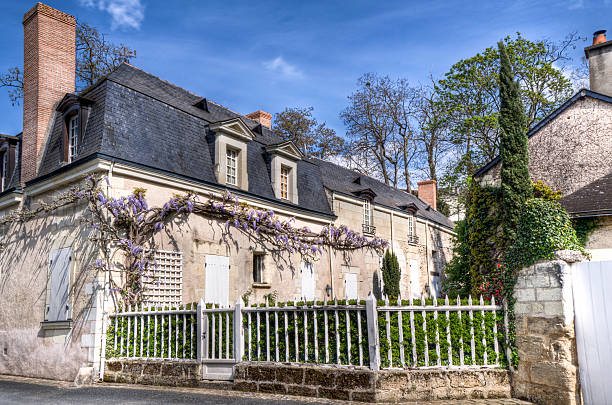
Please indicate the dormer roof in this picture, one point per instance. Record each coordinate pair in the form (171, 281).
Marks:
(235, 128)
(286, 149)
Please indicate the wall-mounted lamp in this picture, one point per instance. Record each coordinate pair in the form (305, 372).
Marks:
(328, 290)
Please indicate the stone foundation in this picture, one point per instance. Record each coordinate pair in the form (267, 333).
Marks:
(321, 381)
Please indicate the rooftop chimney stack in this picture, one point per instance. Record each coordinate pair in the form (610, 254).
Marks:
(600, 63)
(262, 117)
(428, 192)
(48, 74)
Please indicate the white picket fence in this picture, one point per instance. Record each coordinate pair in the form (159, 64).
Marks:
(402, 334)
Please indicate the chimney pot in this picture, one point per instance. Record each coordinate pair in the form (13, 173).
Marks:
(428, 192)
(264, 118)
(599, 37)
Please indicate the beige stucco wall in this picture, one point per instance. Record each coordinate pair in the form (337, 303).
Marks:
(572, 150)
(599, 244)
(32, 350)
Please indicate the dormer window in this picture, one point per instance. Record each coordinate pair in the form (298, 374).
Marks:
(231, 176)
(75, 112)
(4, 173)
(231, 138)
(284, 182)
(73, 137)
(284, 159)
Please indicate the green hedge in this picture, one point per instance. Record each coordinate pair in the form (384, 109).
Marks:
(166, 332)
(293, 317)
(458, 330)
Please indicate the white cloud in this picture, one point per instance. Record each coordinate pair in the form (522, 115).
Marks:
(124, 13)
(279, 65)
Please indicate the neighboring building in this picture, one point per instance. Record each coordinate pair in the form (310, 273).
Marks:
(141, 131)
(571, 150)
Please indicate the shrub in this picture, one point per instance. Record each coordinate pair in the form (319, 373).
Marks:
(541, 190)
(544, 227)
(391, 275)
(458, 279)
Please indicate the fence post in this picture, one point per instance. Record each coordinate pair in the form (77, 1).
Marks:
(372, 322)
(200, 329)
(238, 332)
(506, 335)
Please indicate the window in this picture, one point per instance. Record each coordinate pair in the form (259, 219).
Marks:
(284, 190)
(412, 236)
(367, 218)
(232, 167)
(4, 173)
(59, 286)
(164, 283)
(73, 137)
(258, 267)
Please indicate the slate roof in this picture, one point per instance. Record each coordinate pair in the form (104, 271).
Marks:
(591, 200)
(139, 118)
(343, 180)
(579, 95)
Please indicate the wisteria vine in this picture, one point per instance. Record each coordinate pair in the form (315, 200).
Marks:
(126, 226)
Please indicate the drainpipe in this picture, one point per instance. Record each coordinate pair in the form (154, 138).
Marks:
(427, 256)
(104, 288)
(392, 236)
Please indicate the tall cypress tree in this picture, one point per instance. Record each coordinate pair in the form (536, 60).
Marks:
(515, 181)
(391, 273)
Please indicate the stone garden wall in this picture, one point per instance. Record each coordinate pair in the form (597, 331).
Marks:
(545, 336)
(322, 381)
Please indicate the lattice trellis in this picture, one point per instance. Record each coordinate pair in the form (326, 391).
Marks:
(164, 286)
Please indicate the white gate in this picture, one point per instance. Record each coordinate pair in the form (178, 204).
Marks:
(592, 282)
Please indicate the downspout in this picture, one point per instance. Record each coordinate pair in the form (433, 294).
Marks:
(329, 254)
(105, 288)
(427, 255)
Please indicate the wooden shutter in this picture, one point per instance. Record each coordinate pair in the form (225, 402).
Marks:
(59, 285)
(308, 281)
(415, 285)
(350, 286)
(216, 290)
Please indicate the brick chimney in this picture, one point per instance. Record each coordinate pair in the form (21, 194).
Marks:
(262, 117)
(600, 63)
(48, 74)
(428, 192)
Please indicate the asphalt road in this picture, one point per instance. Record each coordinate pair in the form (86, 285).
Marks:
(14, 391)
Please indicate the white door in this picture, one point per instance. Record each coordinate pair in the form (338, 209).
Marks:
(415, 285)
(308, 281)
(216, 289)
(59, 284)
(591, 285)
(350, 286)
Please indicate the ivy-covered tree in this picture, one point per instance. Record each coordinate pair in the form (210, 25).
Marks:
(391, 275)
(516, 185)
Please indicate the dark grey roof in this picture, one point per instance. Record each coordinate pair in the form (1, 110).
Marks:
(591, 200)
(579, 95)
(141, 119)
(343, 180)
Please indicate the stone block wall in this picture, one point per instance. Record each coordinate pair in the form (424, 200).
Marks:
(545, 336)
(154, 372)
(370, 386)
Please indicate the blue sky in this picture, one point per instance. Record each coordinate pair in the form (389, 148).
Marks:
(250, 55)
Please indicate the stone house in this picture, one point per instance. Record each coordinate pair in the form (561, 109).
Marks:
(143, 132)
(571, 150)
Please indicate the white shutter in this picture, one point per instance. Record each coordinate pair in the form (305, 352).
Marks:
(308, 281)
(415, 285)
(59, 284)
(350, 286)
(217, 280)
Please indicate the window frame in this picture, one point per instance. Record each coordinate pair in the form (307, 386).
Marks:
(285, 175)
(4, 169)
(231, 151)
(72, 129)
(258, 268)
